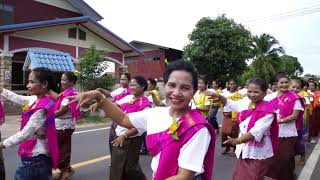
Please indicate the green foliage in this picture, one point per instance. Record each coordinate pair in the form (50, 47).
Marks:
(266, 60)
(89, 117)
(291, 66)
(91, 67)
(219, 48)
(248, 74)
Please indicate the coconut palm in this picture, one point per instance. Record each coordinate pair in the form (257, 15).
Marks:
(266, 60)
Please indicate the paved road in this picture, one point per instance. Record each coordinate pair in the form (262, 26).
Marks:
(93, 146)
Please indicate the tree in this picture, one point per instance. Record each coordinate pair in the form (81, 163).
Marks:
(266, 60)
(291, 66)
(91, 67)
(219, 48)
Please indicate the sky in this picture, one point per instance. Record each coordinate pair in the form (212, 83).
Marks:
(295, 23)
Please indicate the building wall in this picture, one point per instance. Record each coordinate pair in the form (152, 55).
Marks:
(19, 43)
(59, 35)
(40, 11)
(1, 41)
(146, 66)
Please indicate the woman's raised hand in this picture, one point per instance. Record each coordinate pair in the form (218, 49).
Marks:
(212, 94)
(85, 98)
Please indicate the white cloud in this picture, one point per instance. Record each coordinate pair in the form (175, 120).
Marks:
(168, 22)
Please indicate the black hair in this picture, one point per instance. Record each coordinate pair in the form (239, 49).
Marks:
(281, 75)
(232, 80)
(203, 79)
(185, 66)
(315, 84)
(44, 74)
(152, 81)
(141, 81)
(127, 75)
(298, 81)
(304, 83)
(71, 76)
(259, 82)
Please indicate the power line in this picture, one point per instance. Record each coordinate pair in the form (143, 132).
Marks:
(287, 15)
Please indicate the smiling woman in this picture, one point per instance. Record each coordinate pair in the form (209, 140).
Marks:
(257, 140)
(191, 150)
(37, 138)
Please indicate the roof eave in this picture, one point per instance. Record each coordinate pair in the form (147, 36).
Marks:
(86, 9)
(117, 38)
(41, 24)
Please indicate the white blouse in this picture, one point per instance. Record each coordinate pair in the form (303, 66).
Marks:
(289, 129)
(65, 121)
(227, 94)
(158, 119)
(35, 128)
(260, 131)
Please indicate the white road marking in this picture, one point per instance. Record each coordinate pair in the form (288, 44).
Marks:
(309, 167)
(91, 130)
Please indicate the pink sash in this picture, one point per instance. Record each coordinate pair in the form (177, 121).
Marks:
(2, 116)
(27, 146)
(125, 93)
(261, 110)
(135, 105)
(73, 107)
(191, 123)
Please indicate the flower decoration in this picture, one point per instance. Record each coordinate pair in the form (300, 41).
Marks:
(131, 101)
(25, 108)
(174, 127)
(252, 105)
(75, 72)
(235, 97)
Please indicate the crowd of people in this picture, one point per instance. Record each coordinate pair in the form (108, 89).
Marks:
(174, 119)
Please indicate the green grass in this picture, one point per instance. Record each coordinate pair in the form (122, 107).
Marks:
(88, 118)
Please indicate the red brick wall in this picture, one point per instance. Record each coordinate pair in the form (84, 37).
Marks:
(29, 11)
(18, 43)
(148, 68)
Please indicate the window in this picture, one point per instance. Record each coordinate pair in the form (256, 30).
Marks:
(82, 35)
(72, 33)
(156, 58)
(6, 14)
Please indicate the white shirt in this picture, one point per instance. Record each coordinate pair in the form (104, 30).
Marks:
(35, 125)
(122, 130)
(271, 96)
(65, 121)
(227, 94)
(117, 92)
(243, 91)
(158, 119)
(193, 104)
(289, 129)
(260, 131)
(125, 99)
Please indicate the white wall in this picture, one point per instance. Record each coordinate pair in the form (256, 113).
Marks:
(59, 35)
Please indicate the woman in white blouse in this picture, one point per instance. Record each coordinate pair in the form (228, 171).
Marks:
(175, 133)
(288, 107)
(258, 131)
(37, 138)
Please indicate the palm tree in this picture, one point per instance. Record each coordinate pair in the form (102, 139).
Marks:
(266, 60)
